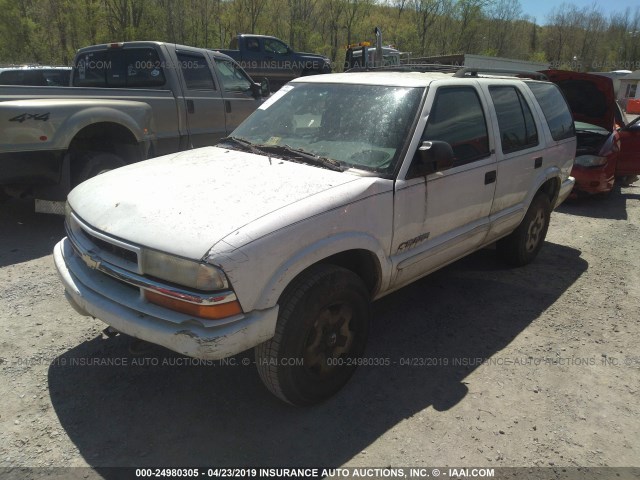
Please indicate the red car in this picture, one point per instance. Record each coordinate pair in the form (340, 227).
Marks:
(608, 148)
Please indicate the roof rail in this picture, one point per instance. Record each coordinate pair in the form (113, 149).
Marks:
(424, 67)
(473, 72)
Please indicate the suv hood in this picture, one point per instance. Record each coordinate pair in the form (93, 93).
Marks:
(591, 97)
(201, 196)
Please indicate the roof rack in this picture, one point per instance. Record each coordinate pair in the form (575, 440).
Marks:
(474, 71)
(424, 67)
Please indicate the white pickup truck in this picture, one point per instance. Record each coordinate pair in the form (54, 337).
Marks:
(128, 102)
(338, 190)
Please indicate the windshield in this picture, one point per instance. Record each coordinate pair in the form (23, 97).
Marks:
(354, 126)
(589, 127)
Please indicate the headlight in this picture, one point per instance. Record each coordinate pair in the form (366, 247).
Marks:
(188, 273)
(590, 160)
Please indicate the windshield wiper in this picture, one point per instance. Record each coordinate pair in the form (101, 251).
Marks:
(245, 144)
(313, 159)
(284, 151)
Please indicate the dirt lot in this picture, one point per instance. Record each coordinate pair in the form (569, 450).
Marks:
(538, 366)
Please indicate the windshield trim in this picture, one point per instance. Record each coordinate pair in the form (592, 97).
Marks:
(405, 147)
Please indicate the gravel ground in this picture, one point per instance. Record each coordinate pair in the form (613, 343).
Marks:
(487, 367)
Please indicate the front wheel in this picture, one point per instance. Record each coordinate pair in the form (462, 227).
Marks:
(523, 244)
(321, 333)
(627, 180)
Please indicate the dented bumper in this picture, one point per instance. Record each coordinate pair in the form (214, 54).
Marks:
(94, 294)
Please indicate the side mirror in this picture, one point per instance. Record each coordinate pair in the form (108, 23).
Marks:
(432, 156)
(261, 89)
(265, 89)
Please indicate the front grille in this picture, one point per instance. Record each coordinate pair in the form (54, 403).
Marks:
(119, 252)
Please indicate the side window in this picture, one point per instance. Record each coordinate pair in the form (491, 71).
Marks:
(233, 79)
(57, 78)
(143, 68)
(555, 109)
(275, 46)
(253, 45)
(23, 77)
(517, 127)
(195, 71)
(457, 118)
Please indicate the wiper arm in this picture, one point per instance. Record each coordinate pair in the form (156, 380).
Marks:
(311, 158)
(266, 150)
(245, 144)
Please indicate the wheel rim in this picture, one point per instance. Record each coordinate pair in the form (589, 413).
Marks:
(534, 231)
(330, 338)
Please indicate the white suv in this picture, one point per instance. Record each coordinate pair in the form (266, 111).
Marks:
(338, 190)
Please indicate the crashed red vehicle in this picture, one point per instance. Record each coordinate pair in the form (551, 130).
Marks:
(607, 148)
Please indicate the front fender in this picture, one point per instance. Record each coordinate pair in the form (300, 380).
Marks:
(314, 253)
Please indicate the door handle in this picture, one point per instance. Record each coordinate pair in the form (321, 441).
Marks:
(191, 108)
(489, 177)
(227, 106)
(537, 162)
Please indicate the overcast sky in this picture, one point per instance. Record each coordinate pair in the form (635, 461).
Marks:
(541, 8)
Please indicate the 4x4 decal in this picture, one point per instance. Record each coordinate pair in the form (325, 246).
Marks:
(30, 116)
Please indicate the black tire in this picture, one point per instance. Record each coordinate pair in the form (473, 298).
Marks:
(91, 164)
(523, 244)
(627, 180)
(323, 323)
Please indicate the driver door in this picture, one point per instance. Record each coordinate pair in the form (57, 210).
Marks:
(280, 61)
(443, 216)
(239, 101)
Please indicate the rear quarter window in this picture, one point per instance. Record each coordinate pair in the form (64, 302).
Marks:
(555, 109)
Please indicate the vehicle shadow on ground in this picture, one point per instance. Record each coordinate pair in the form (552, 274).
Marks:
(612, 206)
(26, 235)
(156, 415)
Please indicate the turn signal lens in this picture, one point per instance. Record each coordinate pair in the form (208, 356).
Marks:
(211, 312)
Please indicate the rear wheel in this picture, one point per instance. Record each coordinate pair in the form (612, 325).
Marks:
(524, 243)
(321, 332)
(91, 164)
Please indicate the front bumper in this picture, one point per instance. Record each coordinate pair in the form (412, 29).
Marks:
(593, 180)
(565, 190)
(92, 293)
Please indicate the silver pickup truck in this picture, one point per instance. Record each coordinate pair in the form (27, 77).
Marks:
(128, 102)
